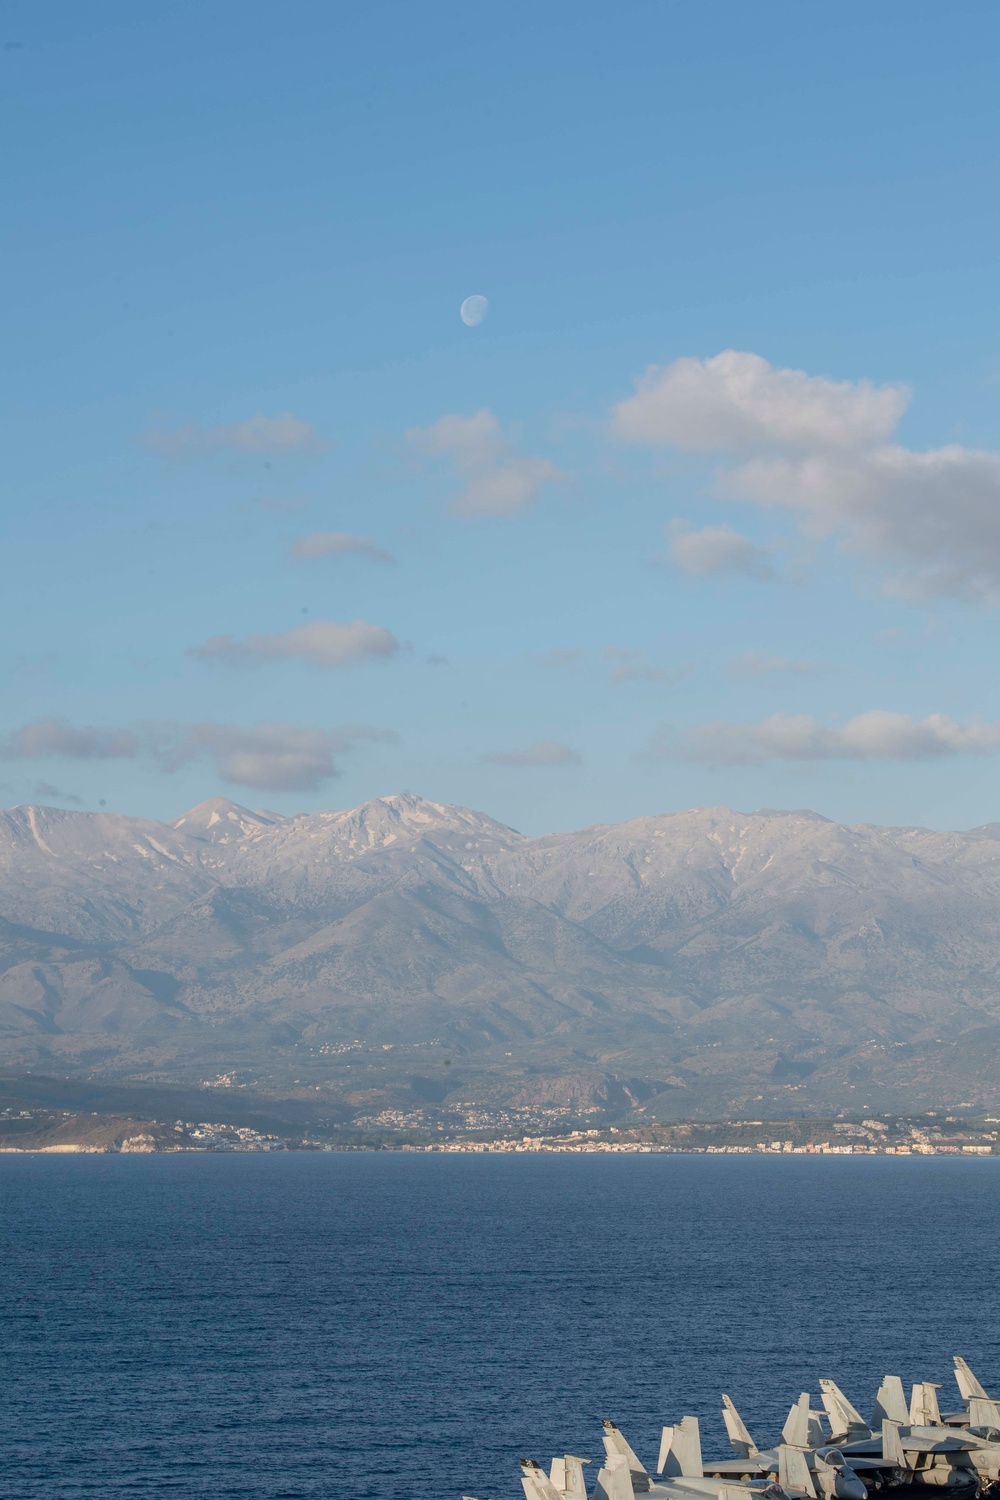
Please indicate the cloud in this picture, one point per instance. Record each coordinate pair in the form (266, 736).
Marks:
(937, 514)
(270, 757)
(321, 643)
(292, 506)
(283, 433)
(822, 451)
(56, 737)
(631, 666)
(47, 790)
(336, 543)
(756, 664)
(561, 659)
(542, 753)
(737, 402)
(876, 735)
(717, 549)
(496, 480)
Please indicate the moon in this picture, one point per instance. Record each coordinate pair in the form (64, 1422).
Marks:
(474, 310)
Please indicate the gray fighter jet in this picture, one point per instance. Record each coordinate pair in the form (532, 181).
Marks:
(972, 1412)
(830, 1475)
(680, 1473)
(935, 1456)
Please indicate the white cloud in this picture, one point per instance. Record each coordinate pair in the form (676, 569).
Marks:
(738, 402)
(283, 433)
(876, 735)
(628, 665)
(321, 643)
(821, 451)
(756, 664)
(717, 549)
(477, 439)
(271, 757)
(542, 753)
(336, 543)
(496, 480)
(935, 514)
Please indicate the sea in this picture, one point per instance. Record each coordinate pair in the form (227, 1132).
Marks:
(392, 1324)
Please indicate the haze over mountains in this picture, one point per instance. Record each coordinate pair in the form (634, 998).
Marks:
(411, 954)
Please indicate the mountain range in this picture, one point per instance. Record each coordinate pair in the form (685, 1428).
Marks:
(407, 955)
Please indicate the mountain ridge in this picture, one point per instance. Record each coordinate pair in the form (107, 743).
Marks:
(711, 958)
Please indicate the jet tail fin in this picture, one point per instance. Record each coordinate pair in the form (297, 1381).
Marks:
(892, 1446)
(924, 1409)
(793, 1471)
(535, 1483)
(984, 1413)
(680, 1450)
(845, 1420)
(742, 1443)
(614, 1482)
(816, 1435)
(566, 1474)
(796, 1429)
(890, 1403)
(968, 1385)
(615, 1443)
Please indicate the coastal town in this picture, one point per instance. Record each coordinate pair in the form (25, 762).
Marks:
(48, 1131)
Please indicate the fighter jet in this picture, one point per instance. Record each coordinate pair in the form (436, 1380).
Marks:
(972, 1413)
(827, 1474)
(933, 1455)
(680, 1471)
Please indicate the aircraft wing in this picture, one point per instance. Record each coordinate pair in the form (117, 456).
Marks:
(733, 1468)
(917, 1442)
(867, 1463)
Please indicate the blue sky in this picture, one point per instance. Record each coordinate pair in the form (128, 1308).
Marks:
(280, 526)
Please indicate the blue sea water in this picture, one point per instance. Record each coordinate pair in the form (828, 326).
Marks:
(385, 1325)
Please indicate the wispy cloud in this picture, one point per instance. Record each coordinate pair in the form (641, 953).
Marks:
(292, 505)
(321, 643)
(717, 549)
(283, 433)
(758, 664)
(495, 479)
(270, 757)
(876, 735)
(542, 753)
(337, 544)
(824, 452)
(45, 791)
(561, 659)
(628, 665)
(57, 737)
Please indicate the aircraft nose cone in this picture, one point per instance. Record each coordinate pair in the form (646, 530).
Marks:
(850, 1487)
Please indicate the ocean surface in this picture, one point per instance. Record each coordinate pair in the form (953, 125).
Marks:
(383, 1325)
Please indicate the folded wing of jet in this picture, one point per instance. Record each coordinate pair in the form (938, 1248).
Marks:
(909, 1442)
(827, 1474)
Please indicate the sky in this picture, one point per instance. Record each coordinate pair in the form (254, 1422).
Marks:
(705, 510)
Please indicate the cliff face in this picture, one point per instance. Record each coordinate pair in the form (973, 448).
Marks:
(713, 954)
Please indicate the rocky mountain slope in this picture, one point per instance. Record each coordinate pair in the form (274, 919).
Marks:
(407, 953)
